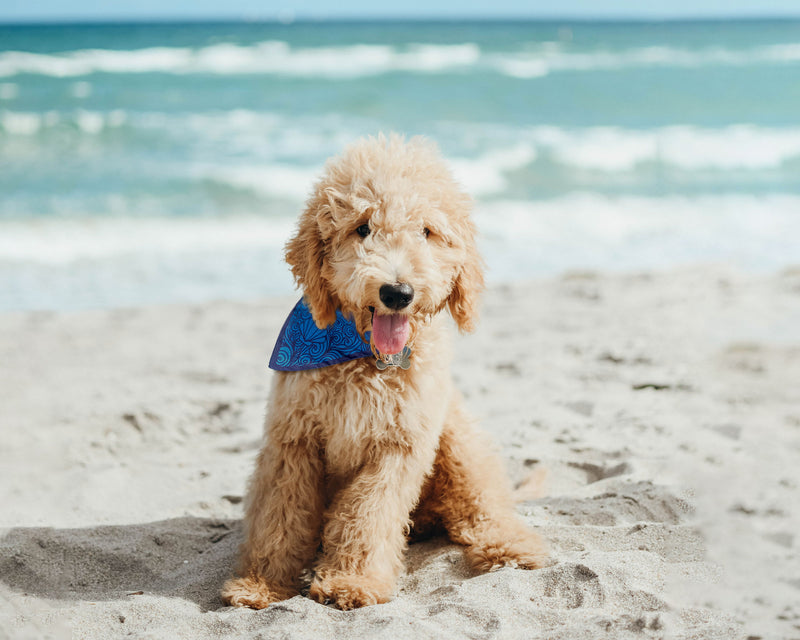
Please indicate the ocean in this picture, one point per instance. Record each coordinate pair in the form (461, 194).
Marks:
(161, 163)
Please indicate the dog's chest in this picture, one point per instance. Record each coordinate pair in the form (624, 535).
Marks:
(358, 421)
(360, 415)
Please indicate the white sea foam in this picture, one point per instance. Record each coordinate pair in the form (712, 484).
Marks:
(74, 263)
(620, 150)
(543, 60)
(481, 176)
(265, 136)
(523, 238)
(271, 180)
(64, 241)
(90, 122)
(782, 52)
(363, 60)
(546, 235)
(271, 57)
(238, 130)
(485, 175)
(86, 61)
(605, 148)
(686, 147)
(736, 147)
(20, 123)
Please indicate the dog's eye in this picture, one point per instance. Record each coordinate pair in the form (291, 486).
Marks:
(363, 230)
(426, 232)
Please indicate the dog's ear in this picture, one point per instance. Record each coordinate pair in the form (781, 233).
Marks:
(464, 299)
(305, 253)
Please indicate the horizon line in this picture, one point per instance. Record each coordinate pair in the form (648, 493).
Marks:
(311, 19)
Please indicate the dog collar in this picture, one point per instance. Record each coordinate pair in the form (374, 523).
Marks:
(303, 345)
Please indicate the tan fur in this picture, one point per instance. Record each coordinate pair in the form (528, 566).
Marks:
(356, 458)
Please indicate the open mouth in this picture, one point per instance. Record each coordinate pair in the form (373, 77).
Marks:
(389, 331)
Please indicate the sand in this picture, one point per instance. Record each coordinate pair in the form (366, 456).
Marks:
(663, 409)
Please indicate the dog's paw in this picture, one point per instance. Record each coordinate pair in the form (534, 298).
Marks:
(349, 591)
(253, 593)
(529, 552)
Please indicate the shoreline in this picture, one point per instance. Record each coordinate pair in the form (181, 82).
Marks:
(663, 407)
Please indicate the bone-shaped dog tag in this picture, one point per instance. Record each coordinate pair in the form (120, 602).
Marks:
(402, 360)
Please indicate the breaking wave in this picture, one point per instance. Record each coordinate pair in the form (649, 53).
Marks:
(278, 58)
(604, 149)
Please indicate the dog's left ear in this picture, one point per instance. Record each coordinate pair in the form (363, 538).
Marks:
(305, 253)
(464, 299)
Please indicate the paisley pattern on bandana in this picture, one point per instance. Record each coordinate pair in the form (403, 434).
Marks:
(302, 345)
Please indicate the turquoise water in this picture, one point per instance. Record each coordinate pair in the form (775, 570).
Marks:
(167, 162)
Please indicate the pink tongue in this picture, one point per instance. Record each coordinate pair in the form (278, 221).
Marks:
(390, 333)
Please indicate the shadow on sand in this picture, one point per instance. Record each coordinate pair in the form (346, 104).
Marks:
(188, 558)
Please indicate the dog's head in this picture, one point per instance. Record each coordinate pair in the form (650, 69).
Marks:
(387, 238)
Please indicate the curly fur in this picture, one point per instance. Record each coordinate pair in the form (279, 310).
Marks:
(357, 458)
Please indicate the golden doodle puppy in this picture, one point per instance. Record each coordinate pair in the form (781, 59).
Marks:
(367, 440)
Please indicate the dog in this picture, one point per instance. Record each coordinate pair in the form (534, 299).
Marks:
(372, 446)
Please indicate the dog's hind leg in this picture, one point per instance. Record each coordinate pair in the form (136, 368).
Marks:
(282, 522)
(472, 495)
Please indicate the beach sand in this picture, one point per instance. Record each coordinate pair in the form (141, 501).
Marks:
(661, 409)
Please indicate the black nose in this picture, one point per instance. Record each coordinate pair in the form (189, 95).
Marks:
(397, 296)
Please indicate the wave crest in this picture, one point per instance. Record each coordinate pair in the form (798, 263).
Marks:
(270, 57)
(274, 57)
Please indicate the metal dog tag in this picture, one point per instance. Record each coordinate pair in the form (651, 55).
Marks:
(402, 360)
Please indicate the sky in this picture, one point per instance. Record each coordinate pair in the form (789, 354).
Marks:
(56, 10)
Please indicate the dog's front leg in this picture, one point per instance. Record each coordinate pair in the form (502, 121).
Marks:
(282, 524)
(364, 534)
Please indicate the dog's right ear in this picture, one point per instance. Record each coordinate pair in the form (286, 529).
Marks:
(305, 253)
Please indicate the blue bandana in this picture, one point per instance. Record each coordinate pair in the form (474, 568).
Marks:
(302, 345)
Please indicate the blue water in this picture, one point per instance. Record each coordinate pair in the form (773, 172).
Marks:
(147, 163)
